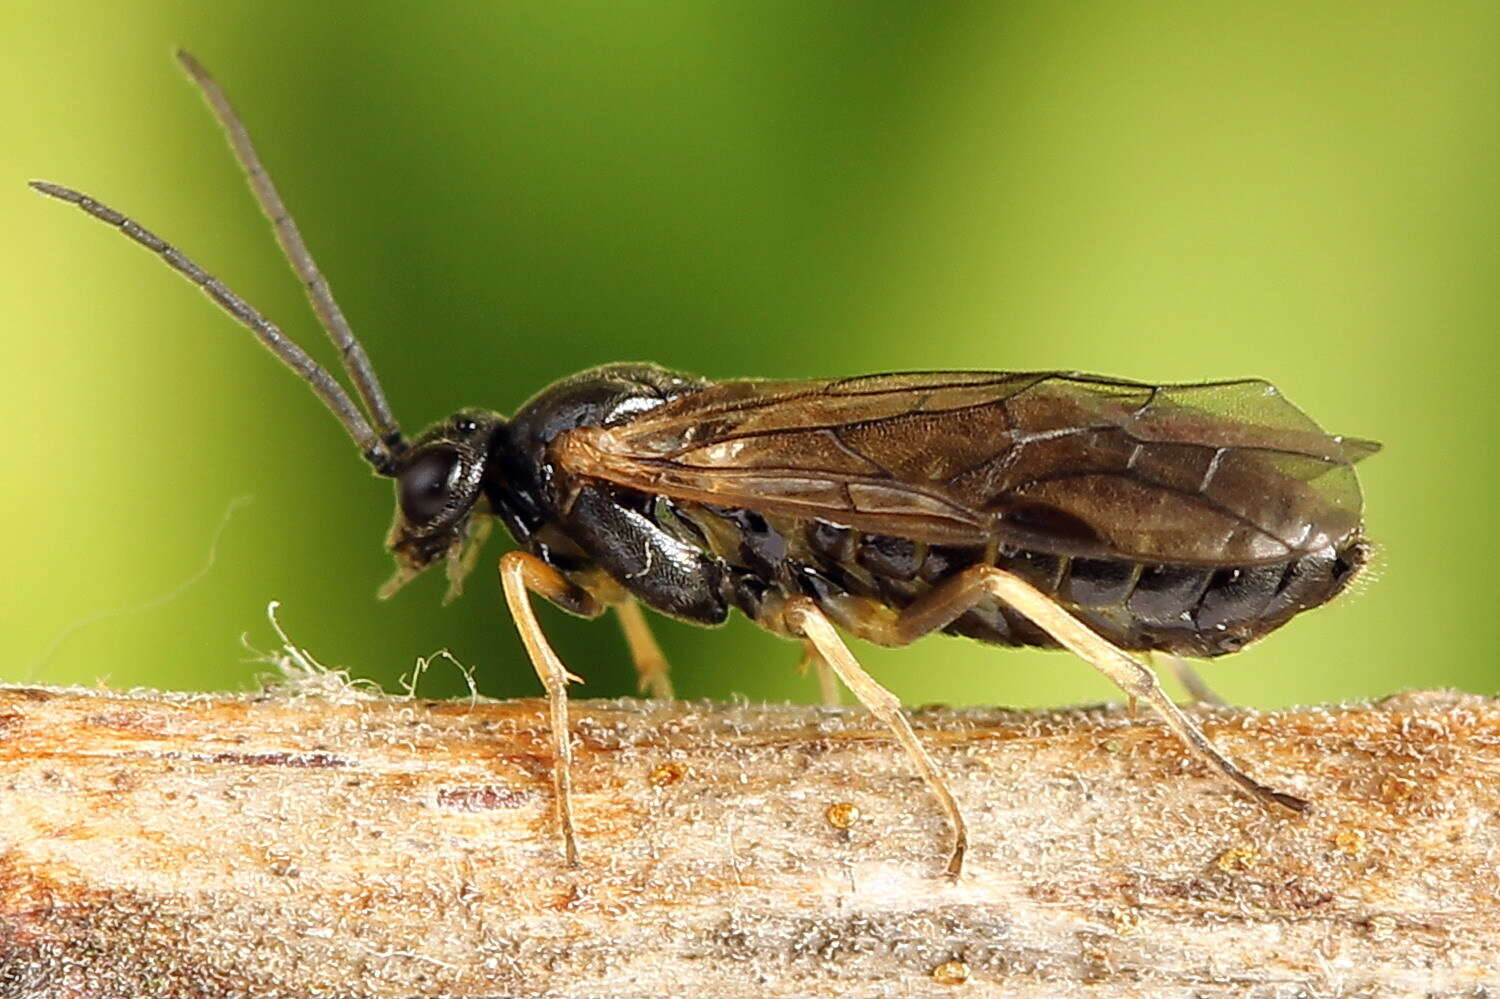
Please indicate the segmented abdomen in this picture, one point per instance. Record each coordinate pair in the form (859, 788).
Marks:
(1184, 609)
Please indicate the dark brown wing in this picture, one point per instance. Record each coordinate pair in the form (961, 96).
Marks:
(1226, 472)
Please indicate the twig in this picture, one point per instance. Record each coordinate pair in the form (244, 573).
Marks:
(168, 845)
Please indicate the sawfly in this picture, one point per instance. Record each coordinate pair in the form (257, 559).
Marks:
(1107, 517)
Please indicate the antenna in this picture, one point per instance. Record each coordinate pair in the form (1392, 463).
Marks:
(329, 314)
(376, 451)
(381, 444)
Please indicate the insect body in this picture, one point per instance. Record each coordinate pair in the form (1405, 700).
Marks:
(1052, 509)
(1162, 522)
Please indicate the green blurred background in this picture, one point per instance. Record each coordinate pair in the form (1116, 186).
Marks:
(502, 195)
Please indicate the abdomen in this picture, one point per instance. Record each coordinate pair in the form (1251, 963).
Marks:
(1190, 610)
(1186, 610)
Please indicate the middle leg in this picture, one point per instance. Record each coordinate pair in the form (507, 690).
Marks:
(828, 683)
(804, 617)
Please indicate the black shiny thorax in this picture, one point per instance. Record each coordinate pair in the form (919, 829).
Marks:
(522, 482)
(585, 528)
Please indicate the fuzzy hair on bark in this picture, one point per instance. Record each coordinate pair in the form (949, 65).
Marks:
(323, 840)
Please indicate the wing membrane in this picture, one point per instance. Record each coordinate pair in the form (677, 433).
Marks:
(1227, 472)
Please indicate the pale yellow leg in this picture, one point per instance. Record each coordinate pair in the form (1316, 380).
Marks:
(1190, 679)
(651, 667)
(804, 618)
(520, 575)
(945, 604)
(828, 684)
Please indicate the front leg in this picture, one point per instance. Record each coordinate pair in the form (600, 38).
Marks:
(520, 575)
(651, 669)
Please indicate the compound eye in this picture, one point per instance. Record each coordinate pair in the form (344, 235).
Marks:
(427, 484)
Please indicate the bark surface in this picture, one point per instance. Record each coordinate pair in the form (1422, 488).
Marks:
(315, 840)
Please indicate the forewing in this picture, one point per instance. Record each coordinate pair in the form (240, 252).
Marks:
(1214, 473)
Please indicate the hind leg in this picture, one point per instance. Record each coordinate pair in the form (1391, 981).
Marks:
(1190, 679)
(945, 604)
